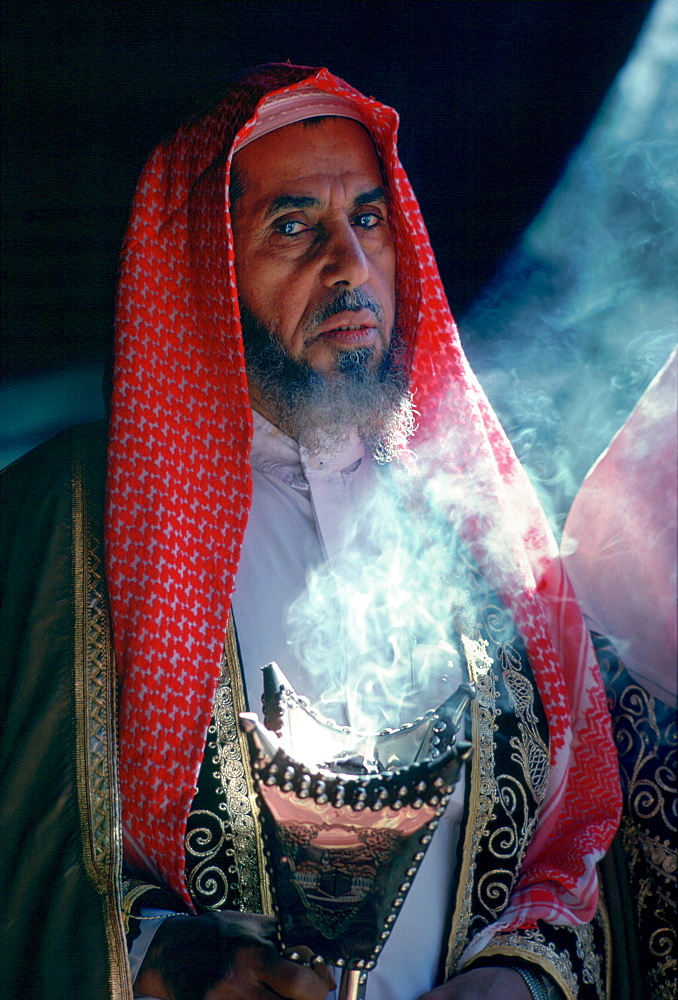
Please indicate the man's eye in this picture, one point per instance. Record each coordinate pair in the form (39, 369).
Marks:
(289, 228)
(367, 220)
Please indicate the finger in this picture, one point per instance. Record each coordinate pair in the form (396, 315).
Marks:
(297, 982)
(315, 962)
(322, 970)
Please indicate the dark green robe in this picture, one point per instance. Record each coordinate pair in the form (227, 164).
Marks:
(61, 931)
(63, 912)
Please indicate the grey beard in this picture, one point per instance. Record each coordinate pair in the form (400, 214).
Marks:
(321, 412)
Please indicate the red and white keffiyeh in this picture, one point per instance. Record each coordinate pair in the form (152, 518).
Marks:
(179, 494)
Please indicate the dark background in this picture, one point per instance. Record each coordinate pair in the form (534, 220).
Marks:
(493, 96)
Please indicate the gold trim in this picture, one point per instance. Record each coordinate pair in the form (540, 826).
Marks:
(240, 705)
(130, 897)
(590, 958)
(530, 944)
(205, 839)
(530, 751)
(95, 734)
(482, 791)
(545, 956)
(606, 924)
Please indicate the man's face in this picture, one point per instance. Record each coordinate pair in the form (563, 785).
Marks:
(312, 223)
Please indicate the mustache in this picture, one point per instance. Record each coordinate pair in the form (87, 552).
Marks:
(345, 301)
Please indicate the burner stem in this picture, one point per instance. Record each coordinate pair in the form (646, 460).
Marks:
(352, 985)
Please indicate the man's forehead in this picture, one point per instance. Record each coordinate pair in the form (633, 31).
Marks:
(292, 165)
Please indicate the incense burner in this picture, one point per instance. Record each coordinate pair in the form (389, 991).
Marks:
(344, 837)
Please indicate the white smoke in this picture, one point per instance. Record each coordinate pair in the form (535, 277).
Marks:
(377, 624)
(585, 311)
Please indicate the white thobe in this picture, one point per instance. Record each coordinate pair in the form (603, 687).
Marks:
(305, 511)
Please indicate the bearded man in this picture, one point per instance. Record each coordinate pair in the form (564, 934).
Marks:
(280, 326)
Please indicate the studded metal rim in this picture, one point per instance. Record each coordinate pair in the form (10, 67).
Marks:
(415, 786)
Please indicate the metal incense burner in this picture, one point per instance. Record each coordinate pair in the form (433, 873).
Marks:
(344, 838)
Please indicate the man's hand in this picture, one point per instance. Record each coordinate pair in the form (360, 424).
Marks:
(225, 956)
(494, 983)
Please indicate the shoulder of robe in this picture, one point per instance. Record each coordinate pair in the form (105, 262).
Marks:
(48, 468)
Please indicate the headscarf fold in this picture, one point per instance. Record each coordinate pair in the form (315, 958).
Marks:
(179, 492)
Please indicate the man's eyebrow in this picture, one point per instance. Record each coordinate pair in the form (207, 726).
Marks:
(287, 201)
(376, 194)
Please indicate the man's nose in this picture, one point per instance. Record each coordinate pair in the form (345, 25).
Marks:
(345, 263)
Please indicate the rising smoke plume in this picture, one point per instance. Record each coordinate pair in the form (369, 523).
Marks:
(585, 311)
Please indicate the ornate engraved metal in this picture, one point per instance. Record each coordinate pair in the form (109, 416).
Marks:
(345, 837)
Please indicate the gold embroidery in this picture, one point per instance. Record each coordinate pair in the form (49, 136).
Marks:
(512, 797)
(132, 890)
(603, 916)
(645, 735)
(663, 974)
(510, 841)
(659, 856)
(236, 779)
(208, 881)
(591, 960)
(532, 756)
(531, 751)
(652, 865)
(483, 794)
(95, 743)
(531, 944)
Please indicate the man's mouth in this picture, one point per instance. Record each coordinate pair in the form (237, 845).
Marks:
(352, 329)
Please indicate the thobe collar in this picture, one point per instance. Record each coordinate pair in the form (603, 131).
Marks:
(275, 452)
